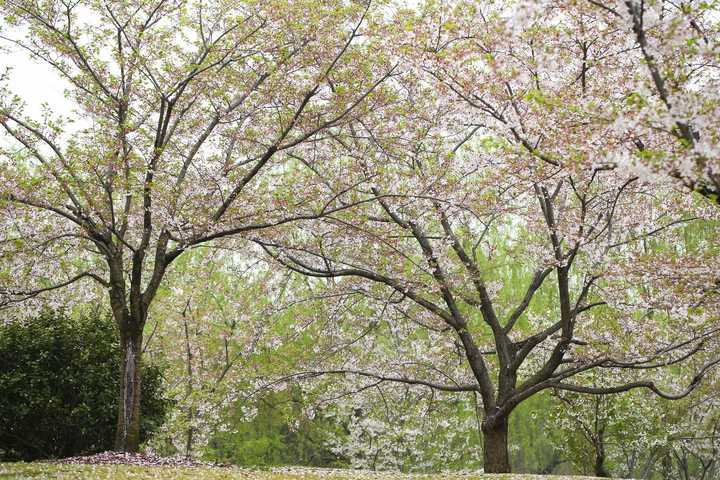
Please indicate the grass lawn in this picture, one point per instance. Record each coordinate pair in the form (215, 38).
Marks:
(100, 472)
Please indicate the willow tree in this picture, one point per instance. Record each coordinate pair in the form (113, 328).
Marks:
(186, 114)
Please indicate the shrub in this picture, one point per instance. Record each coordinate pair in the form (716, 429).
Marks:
(58, 387)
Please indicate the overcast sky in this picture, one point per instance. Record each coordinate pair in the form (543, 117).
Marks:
(33, 81)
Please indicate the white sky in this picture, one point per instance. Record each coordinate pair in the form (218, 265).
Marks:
(34, 82)
(37, 83)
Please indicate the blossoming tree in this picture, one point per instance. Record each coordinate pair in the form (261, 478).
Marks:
(673, 118)
(186, 116)
(643, 73)
(456, 180)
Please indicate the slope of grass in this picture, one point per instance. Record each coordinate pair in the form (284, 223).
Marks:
(126, 472)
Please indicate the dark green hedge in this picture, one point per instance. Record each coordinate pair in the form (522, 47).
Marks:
(59, 387)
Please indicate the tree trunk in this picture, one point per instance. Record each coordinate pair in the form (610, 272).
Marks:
(600, 460)
(495, 446)
(127, 437)
(188, 386)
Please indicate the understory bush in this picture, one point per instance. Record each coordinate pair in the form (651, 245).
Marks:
(59, 385)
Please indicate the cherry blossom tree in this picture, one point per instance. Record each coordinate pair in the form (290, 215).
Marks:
(187, 117)
(398, 427)
(672, 118)
(239, 321)
(643, 73)
(445, 193)
(595, 431)
(217, 307)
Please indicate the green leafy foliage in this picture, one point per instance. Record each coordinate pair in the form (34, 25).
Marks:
(58, 387)
(279, 434)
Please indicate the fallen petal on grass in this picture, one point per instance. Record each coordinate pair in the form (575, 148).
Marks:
(109, 466)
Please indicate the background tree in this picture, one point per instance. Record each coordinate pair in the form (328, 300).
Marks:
(219, 321)
(637, 435)
(279, 433)
(591, 429)
(186, 114)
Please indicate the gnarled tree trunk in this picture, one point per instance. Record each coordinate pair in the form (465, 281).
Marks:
(495, 445)
(130, 310)
(127, 437)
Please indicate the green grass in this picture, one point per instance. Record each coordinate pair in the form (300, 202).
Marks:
(127, 472)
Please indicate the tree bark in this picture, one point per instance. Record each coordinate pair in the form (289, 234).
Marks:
(600, 470)
(495, 445)
(188, 386)
(127, 437)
